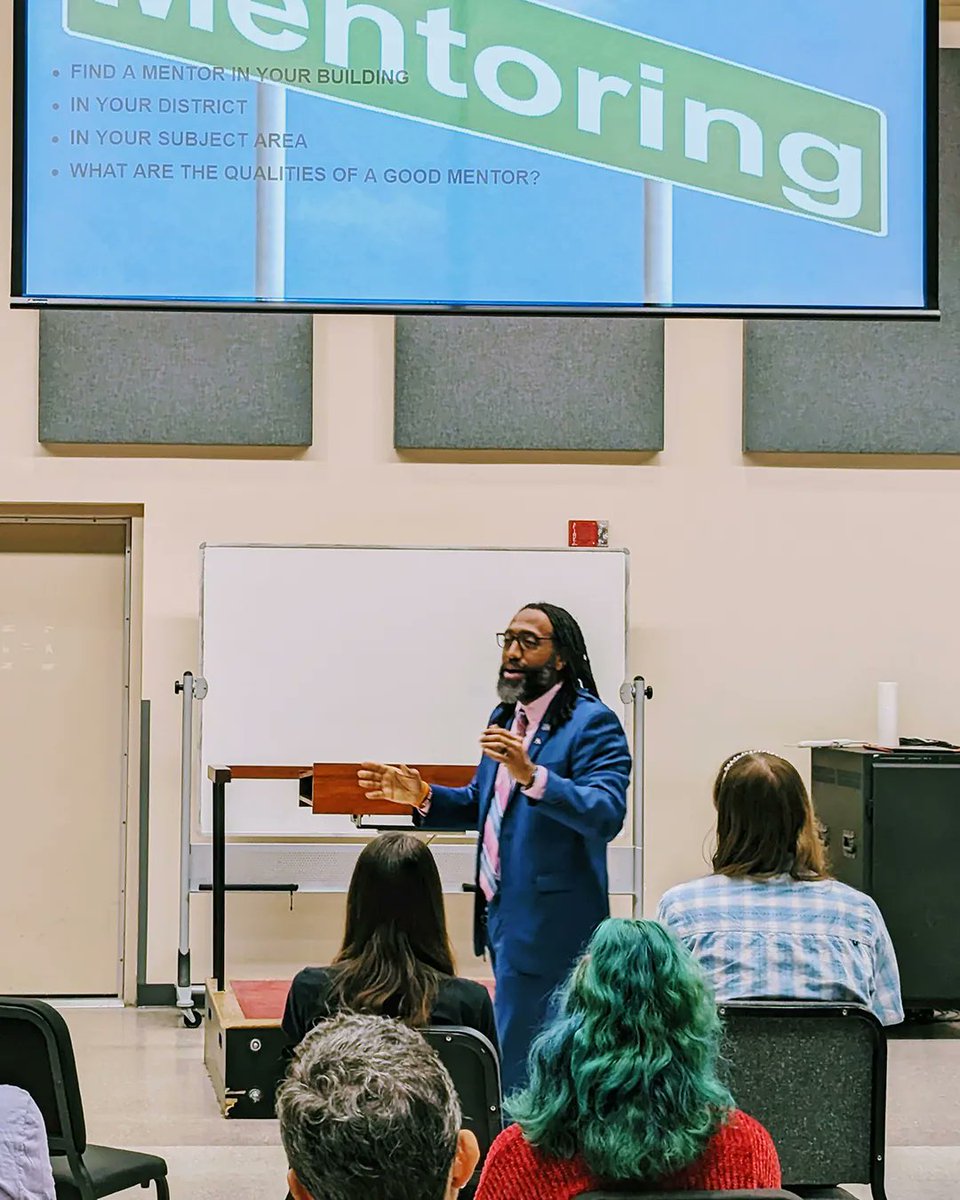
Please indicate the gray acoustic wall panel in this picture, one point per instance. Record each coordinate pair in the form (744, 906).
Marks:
(148, 378)
(868, 387)
(529, 383)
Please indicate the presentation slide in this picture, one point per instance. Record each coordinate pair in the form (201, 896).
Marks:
(479, 153)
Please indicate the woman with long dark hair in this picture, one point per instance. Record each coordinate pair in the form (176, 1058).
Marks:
(623, 1084)
(396, 959)
(770, 922)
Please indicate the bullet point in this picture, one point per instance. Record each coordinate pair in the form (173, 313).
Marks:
(56, 74)
(54, 171)
(56, 139)
(56, 108)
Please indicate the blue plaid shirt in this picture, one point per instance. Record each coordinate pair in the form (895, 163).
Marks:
(786, 938)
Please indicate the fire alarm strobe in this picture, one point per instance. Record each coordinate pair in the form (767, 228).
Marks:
(588, 533)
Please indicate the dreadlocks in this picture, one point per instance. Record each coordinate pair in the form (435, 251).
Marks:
(568, 643)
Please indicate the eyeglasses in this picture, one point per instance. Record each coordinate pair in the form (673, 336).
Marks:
(529, 641)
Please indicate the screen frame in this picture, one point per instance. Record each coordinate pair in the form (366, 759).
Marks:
(928, 311)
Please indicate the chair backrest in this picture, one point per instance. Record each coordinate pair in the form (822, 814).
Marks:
(475, 1070)
(750, 1194)
(36, 1054)
(815, 1075)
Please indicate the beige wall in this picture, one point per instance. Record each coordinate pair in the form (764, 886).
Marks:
(766, 600)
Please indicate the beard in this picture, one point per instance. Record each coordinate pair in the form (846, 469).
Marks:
(534, 682)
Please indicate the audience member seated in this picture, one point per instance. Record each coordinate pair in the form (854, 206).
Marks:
(623, 1084)
(770, 922)
(368, 1110)
(396, 959)
(25, 1171)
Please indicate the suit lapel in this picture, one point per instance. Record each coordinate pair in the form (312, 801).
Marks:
(545, 731)
(540, 738)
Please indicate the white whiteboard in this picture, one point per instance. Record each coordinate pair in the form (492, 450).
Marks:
(341, 654)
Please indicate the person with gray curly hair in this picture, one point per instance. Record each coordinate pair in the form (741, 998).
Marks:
(367, 1109)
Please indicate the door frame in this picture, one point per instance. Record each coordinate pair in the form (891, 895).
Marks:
(130, 518)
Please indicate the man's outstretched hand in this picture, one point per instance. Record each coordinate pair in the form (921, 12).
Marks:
(398, 785)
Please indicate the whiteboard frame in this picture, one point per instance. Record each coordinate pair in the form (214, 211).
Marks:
(324, 864)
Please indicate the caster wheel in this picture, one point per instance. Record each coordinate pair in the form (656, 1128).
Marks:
(192, 1019)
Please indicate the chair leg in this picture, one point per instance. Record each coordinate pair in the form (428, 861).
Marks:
(81, 1177)
(163, 1188)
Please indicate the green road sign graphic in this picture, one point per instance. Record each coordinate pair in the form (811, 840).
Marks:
(524, 72)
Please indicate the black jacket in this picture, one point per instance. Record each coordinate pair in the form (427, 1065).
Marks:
(458, 1002)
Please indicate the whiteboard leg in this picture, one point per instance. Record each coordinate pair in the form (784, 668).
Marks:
(189, 689)
(639, 691)
(185, 688)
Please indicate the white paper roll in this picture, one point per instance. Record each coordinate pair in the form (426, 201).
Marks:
(888, 715)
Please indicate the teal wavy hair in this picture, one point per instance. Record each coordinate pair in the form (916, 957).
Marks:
(625, 1075)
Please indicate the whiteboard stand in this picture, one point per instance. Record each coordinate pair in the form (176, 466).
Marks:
(189, 688)
(294, 595)
(637, 693)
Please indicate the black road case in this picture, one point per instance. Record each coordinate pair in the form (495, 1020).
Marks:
(891, 821)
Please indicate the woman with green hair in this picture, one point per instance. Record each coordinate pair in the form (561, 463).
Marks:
(623, 1083)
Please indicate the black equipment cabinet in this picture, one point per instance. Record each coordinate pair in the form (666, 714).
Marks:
(891, 821)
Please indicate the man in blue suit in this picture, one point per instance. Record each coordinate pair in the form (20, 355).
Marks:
(549, 794)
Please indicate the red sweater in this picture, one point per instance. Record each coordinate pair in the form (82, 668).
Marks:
(740, 1154)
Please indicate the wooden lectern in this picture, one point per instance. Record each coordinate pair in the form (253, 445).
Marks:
(330, 788)
(237, 1049)
(333, 788)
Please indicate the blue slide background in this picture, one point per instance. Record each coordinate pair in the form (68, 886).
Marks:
(577, 237)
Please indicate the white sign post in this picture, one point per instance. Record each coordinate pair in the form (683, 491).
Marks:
(657, 242)
(271, 192)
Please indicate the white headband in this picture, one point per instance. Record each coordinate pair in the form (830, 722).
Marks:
(742, 754)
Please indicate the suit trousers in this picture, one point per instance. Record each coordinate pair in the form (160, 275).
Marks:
(522, 1004)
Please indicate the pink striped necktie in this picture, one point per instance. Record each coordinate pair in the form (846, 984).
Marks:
(489, 874)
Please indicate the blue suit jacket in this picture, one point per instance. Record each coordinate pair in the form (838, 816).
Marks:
(553, 851)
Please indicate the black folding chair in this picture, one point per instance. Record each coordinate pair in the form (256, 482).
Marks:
(815, 1075)
(36, 1054)
(475, 1070)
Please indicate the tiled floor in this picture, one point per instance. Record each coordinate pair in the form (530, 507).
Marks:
(145, 1087)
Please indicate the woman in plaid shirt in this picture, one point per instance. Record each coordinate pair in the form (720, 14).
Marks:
(770, 922)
